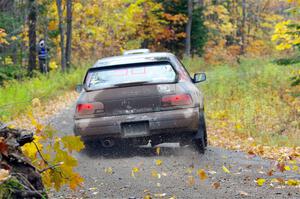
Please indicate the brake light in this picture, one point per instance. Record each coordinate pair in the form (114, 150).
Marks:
(85, 109)
(176, 100)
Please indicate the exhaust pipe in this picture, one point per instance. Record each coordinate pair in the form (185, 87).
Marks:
(107, 143)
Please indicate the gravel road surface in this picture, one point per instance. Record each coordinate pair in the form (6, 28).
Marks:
(108, 173)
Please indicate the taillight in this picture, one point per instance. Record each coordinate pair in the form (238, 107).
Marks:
(176, 100)
(90, 108)
(85, 108)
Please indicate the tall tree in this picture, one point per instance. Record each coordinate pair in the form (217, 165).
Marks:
(69, 34)
(243, 26)
(188, 29)
(32, 16)
(61, 32)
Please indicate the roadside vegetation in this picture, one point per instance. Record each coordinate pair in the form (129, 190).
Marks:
(16, 97)
(254, 99)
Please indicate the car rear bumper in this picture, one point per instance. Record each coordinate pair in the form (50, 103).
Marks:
(164, 122)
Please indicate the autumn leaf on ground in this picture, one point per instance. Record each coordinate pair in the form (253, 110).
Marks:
(202, 175)
(225, 169)
(280, 166)
(295, 168)
(270, 173)
(287, 168)
(191, 181)
(260, 181)
(292, 182)
(189, 170)
(243, 193)
(216, 185)
(148, 196)
(155, 174)
(133, 171)
(280, 180)
(108, 170)
(158, 162)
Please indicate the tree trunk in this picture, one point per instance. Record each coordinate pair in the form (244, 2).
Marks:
(243, 26)
(69, 34)
(188, 29)
(62, 35)
(32, 36)
(201, 3)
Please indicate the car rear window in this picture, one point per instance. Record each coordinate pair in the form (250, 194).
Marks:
(115, 76)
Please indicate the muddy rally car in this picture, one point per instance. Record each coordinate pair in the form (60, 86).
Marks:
(141, 98)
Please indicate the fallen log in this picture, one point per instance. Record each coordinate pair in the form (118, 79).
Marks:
(24, 180)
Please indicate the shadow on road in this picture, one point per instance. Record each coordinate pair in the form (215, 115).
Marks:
(122, 151)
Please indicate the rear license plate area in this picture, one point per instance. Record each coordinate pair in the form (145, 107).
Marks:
(135, 129)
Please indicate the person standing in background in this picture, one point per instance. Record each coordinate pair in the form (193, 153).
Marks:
(43, 55)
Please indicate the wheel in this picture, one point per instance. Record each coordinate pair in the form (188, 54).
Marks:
(200, 140)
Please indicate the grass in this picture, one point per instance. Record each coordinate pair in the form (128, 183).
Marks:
(253, 99)
(16, 96)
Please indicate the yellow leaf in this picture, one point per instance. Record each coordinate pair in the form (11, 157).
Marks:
(135, 169)
(53, 65)
(292, 182)
(260, 181)
(158, 162)
(295, 168)
(13, 38)
(8, 60)
(225, 169)
(75, 181)
(158, 150)
(287, 168)
(108, 170)
(189, 170)
(148, 196)
(72, 143)
(53, 25)
(202, 175)
(155, 174)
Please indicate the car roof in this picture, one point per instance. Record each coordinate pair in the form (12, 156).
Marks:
(134, 59)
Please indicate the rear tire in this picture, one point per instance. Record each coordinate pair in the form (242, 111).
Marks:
(200, 141)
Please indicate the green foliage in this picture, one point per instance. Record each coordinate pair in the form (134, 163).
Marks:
(253, 100)
(11, 72)
(9, 186)
(199, 34)
(15, 96)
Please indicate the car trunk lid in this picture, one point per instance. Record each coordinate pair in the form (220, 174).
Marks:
(133, 99)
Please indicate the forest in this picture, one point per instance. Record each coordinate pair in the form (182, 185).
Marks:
(248, 48)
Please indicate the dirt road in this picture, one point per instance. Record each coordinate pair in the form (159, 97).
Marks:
(108, 173)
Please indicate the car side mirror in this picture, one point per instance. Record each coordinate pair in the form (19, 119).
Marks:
(199, 77)
(79, 88)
